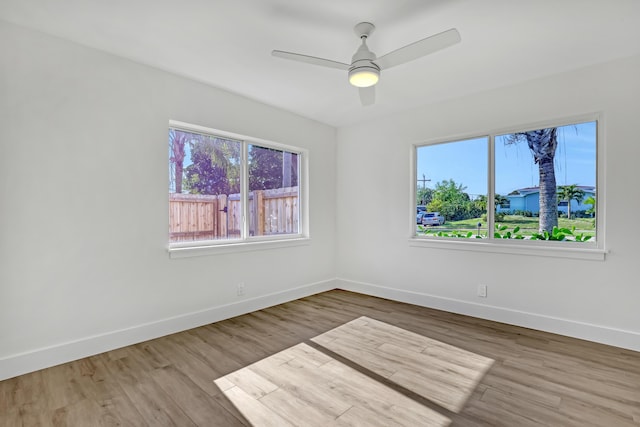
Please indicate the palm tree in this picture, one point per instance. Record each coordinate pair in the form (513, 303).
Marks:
(215, 165)
(568, 193)
(481, 201)
(542, 144)
(591, 200)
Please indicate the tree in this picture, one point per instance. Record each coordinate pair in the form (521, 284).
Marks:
(424, 196)
(591, 201)
(500, 200)
(481, 201)
(450, 200)
(215, 167)
(568, 193)
(542, 144)
(177, 141)
(270, 168)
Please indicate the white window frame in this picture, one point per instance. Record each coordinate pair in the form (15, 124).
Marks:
(577, 250)
(246, 242)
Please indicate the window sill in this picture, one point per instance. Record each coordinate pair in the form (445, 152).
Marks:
(514, 248)
(235, 247)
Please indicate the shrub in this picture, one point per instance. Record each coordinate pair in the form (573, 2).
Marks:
(502, 232)
(561, 234)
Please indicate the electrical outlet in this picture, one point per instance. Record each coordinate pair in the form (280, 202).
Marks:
(482, 291)
(240, 289)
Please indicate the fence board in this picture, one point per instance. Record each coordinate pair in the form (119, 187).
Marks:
(202, 217)
(259, 196)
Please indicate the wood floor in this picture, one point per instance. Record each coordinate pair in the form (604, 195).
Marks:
(494, 374)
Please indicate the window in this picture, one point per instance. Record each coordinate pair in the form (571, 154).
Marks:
(226, 189)
(537, 184)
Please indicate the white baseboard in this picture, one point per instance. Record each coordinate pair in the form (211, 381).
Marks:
(31, 361)
(571, 328)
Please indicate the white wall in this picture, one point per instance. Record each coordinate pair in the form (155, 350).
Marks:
(84, 205)
(590, 299)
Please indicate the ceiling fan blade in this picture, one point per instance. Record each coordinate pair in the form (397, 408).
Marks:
(367, 95)
(310, 59)
(418, 49)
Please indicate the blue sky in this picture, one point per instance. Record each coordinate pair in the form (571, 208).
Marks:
(466, 162)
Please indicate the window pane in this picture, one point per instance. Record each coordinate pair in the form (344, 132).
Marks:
(546, 178)
(452, 187)
(204, 187)
(273, 191)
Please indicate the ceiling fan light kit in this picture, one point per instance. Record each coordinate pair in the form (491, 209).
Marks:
(365, 67)
(364, 76)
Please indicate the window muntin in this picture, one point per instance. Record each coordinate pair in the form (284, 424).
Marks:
(217, 181)
(514, 190)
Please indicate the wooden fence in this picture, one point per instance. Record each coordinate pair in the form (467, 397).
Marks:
(205, 217)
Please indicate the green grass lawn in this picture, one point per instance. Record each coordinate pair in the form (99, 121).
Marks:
(527, 225)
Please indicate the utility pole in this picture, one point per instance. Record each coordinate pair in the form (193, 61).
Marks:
(424, 181)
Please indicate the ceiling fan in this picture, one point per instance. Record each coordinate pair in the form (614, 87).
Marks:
(365, 67)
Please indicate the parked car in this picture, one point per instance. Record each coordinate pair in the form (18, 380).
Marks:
(432, 218)
(419, 217)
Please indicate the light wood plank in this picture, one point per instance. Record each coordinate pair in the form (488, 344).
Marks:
(358, 416)
(252, 383)
(254, 410)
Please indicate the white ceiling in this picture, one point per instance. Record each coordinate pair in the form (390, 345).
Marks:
(228, 43)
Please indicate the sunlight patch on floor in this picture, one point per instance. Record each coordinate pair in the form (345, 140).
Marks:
(303, 386)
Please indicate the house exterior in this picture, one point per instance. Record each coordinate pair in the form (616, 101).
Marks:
(528, 199)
